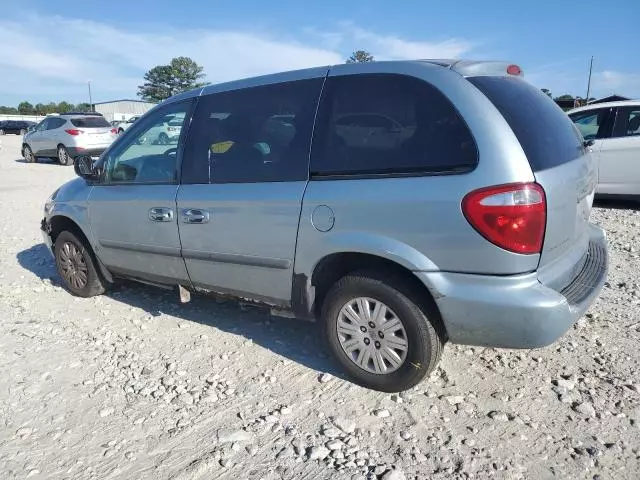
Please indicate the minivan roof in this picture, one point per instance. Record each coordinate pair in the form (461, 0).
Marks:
(467, 68)
(474, 68)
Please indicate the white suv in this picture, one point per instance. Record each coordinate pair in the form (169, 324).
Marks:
(613, 130)
(122, 126)
(64, 137)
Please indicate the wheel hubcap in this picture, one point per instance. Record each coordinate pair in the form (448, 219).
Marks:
(72, 265)
(62, 154)
(372, 335)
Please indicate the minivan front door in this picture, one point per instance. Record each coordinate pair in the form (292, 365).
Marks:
(243, 179)
(132, 212)
(596, 126)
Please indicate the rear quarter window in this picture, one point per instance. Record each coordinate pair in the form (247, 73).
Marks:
(546, 134)
(388, 124)
(89, 122)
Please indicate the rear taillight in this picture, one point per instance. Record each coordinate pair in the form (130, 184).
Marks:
(512, 216)
(73, 131)
(114, 131)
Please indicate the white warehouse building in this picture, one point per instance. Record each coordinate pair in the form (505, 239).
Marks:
(122, 109)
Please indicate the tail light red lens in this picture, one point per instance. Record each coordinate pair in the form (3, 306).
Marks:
(73, 131)
(513, 217)
(114, 131)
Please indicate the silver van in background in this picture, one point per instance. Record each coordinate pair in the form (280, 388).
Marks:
(401, 204)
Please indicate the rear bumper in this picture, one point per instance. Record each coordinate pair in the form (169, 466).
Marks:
(516, 311)
(91, 151)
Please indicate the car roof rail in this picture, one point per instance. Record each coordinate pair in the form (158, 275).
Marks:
(475, 68)
(96, 114)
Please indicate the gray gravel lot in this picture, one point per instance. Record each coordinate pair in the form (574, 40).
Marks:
(134, 385)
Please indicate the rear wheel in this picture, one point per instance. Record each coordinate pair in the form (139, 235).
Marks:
(63, 156)
(76, 266)
(163, 139)
(380, 332)
(28, 154)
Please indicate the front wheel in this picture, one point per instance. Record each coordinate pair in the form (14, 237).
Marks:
(28, 154)
(380, 333)
(76, 266)
(63, 156)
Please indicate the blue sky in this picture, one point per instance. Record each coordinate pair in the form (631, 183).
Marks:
(61, 45)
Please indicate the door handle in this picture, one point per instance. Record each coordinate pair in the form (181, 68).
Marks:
(160, 214)
(195, 215)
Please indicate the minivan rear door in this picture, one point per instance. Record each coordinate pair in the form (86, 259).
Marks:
(560, 163)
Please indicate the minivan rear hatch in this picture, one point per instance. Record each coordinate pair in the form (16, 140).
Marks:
(561, 165)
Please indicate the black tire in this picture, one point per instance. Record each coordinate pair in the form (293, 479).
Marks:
(420, 319)
(163, 139)
(28, 155)
(72, 255)
(63, 156)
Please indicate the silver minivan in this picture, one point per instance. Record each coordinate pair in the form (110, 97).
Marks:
(401, 204)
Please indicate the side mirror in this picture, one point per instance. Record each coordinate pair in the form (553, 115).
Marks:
(83, 166)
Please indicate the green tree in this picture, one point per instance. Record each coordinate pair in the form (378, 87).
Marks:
(40, 109)
(547, 92)
(8, 110)
(51, 107)
(82, 107)
(360, 56)
(566, 96)
(163, 81)
(25, 108)
(64, 107)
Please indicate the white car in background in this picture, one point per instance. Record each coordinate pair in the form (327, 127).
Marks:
(164, 133)
(613, 131)
(122, 126)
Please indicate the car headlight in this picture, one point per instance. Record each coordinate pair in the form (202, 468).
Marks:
(48, 205)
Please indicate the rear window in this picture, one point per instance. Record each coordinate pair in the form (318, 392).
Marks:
(547, 135)
(89, 122)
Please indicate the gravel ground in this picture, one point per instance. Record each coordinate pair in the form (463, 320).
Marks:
(135, 385)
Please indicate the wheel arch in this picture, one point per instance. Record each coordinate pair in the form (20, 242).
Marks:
(309, 292)
(60, 223)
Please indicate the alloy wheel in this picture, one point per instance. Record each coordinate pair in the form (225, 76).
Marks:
(63, 156)
(73, 268)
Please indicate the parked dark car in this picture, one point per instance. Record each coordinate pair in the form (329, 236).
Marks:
(18, 127)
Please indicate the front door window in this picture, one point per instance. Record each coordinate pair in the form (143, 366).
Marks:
(148, 152)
